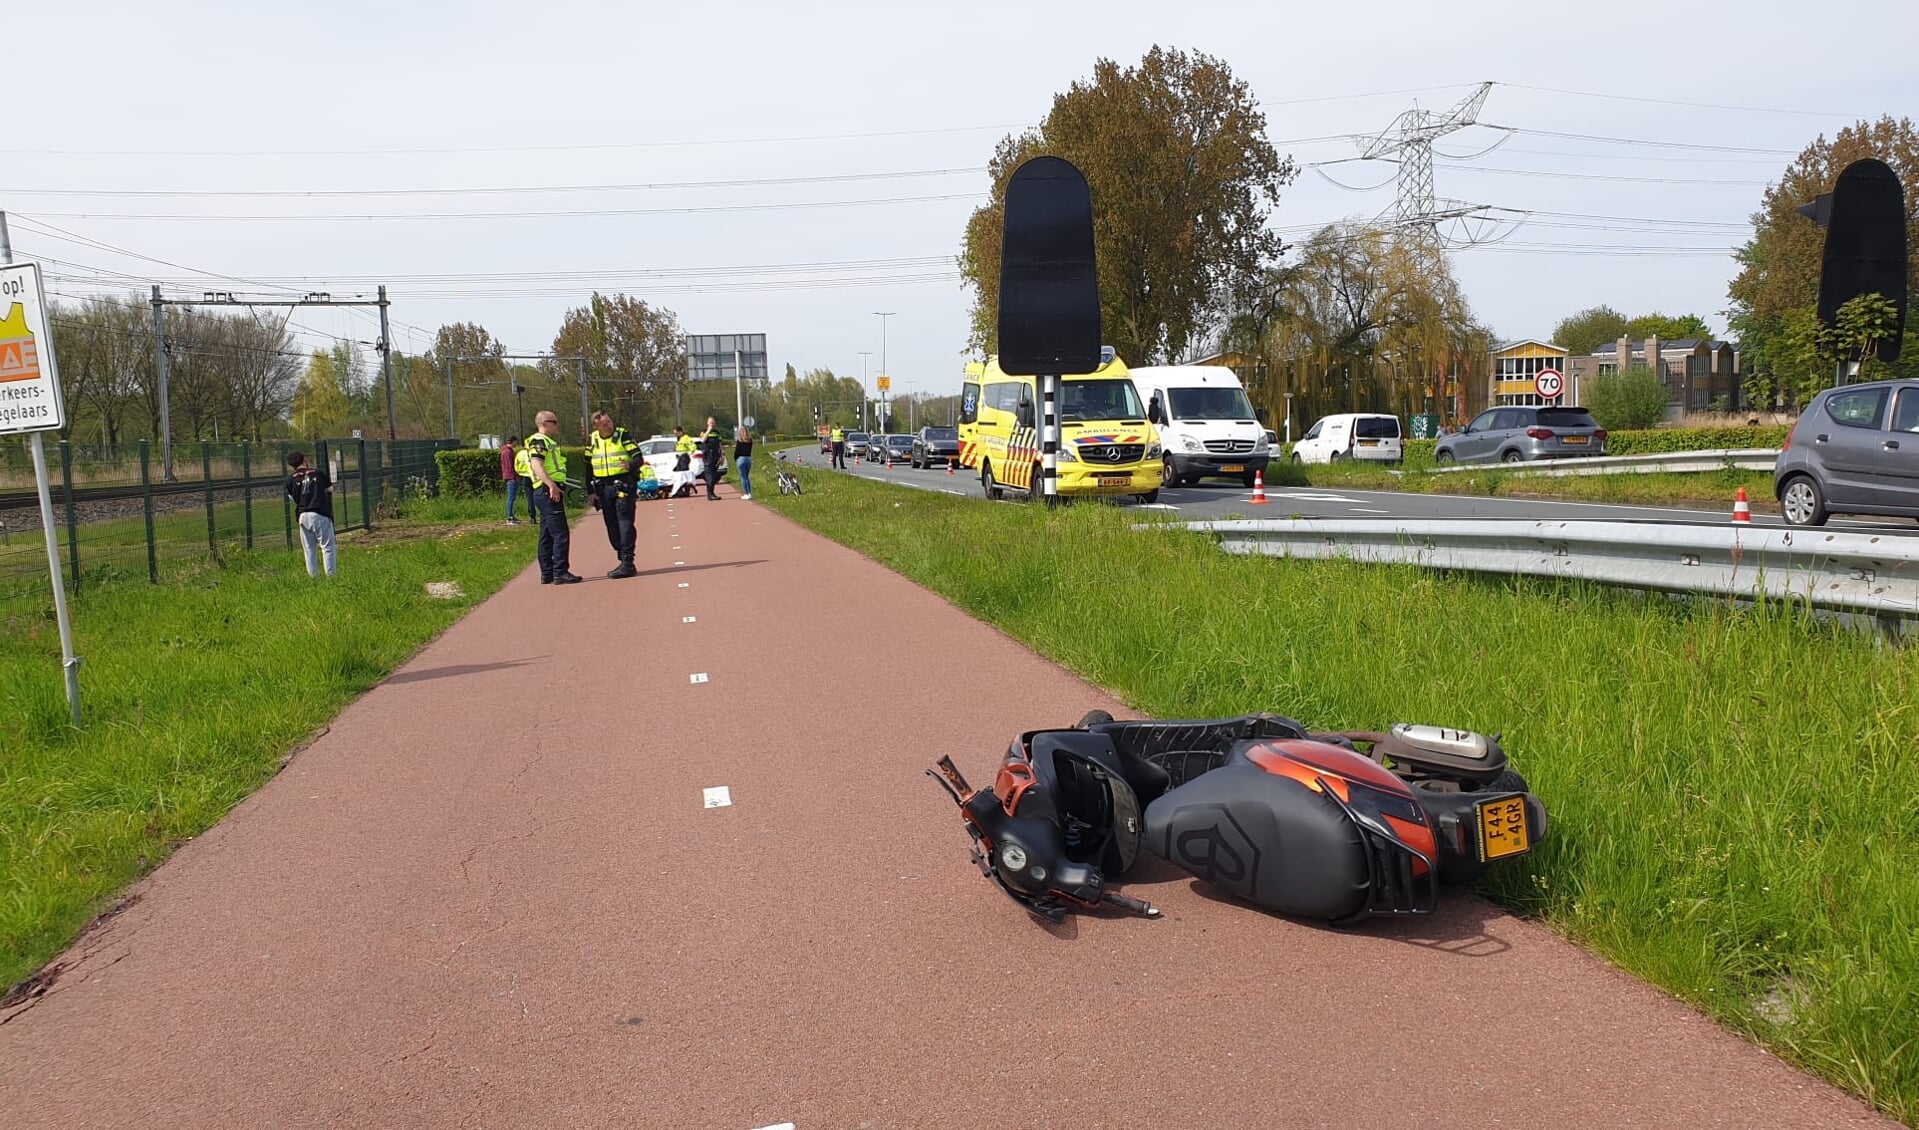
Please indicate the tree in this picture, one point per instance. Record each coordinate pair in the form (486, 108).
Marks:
(1667, 328)
(1182, 178)
(320, 405)
(1635, 398)
(1777, 287)
(1359, 320)
(635, 356)
(1589, 329)
(1597, 326)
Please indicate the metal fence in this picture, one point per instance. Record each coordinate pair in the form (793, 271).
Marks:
(118, 519)
(1860, 572)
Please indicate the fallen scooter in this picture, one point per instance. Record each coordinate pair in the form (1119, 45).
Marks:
(1334, 826)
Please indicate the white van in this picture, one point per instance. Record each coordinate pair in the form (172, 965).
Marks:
(1206, 424)
(1370, 436)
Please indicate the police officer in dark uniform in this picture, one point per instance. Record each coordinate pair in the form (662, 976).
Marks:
(612, 459)
(547, 464)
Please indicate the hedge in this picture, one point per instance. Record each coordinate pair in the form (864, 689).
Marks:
(473, 472)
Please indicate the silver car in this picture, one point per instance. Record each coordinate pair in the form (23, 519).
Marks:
(1855, 450)
(1520, 432)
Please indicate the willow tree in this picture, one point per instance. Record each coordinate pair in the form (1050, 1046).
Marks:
(1182, 178)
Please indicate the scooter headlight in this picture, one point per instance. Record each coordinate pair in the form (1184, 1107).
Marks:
(1013, 857)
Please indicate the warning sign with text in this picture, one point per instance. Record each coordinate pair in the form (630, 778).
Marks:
(29, 382)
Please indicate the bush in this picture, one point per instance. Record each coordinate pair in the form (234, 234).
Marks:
(1630, 400)
(474, 473)
(1655, 441)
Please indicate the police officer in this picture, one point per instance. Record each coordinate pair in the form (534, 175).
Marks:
(612, 456)
(684, 446)
(546, 466)
(714, 457)
(839, 447)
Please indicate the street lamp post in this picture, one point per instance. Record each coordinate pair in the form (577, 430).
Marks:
(865, 355)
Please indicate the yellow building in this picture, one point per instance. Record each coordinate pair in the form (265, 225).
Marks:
(1515, 368)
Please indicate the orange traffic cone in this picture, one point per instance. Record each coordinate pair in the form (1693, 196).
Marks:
(889, 459)
(1740, 511)
(1259, 489)
(949, 466)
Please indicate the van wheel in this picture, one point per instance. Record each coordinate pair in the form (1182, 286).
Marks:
(1802, 502)
(1248, 478)
(1149, 497)
(986, 481)
(1297, 459)
(1168, 476)
(1035, 490)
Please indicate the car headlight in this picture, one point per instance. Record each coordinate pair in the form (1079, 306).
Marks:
(1191, 444)
(1153, 451)
(1260, 445)
(1066, 453)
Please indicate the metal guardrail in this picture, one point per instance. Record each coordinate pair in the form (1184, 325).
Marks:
(1872, 573)
(1665, 462)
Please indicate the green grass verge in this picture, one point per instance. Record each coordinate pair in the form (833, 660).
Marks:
(188, 705)
(1710, 489)
(1734, 814)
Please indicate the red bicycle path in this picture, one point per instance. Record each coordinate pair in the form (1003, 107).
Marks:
(490, 894)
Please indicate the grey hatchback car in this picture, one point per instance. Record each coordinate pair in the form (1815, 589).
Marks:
(1520, 432)
(1855, 450)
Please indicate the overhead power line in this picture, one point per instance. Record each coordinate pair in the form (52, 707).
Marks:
(1674, 102)
(528, 215)
(333, 193)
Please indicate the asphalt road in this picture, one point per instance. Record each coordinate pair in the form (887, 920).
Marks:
(1215, 499)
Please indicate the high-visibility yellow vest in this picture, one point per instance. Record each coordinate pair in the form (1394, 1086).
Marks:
(839, 436)
(687, 444)
(611, 455)
(549, 453)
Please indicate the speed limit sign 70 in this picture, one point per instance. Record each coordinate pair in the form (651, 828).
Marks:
(1548, 383)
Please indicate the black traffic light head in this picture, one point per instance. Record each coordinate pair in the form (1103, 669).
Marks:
(1049, 317)
(1865, 221)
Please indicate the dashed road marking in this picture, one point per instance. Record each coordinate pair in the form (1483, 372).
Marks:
(1365, 510)
(698, 677)
(683, 584)
(719, 796)
(688, 619)
(682, 562)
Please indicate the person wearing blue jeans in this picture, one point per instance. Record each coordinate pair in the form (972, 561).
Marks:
(510, 474)
(743, 459)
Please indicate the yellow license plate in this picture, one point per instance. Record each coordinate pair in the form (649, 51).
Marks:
(1572, 439)
(1232, 468)
(1115, 480)
(1502, 828)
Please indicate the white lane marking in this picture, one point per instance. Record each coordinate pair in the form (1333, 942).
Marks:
(683, 584)
(698, 677)
(688, 619)
(682, 562)
(1308, 496)
(1364, 510)
(719, 796)
(777, 1126)
(961, 493)
(1156, 506)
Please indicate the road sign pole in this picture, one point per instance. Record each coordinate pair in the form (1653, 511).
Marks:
(739, 390)
(36, 358)
(1049, 438)
(69, 662)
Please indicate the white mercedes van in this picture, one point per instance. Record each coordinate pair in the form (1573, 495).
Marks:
(1206, 424)
(1370, 436)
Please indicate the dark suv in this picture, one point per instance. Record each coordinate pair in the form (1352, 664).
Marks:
(1520, 432)
(935, 447)
(1855, 450)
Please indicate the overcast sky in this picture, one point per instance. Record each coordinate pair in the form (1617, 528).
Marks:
(268, 98)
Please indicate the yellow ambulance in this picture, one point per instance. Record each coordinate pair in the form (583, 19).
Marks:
(1107, 447)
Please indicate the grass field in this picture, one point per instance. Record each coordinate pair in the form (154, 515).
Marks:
(1708, 489)
(1732, 788)
(188, 702)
